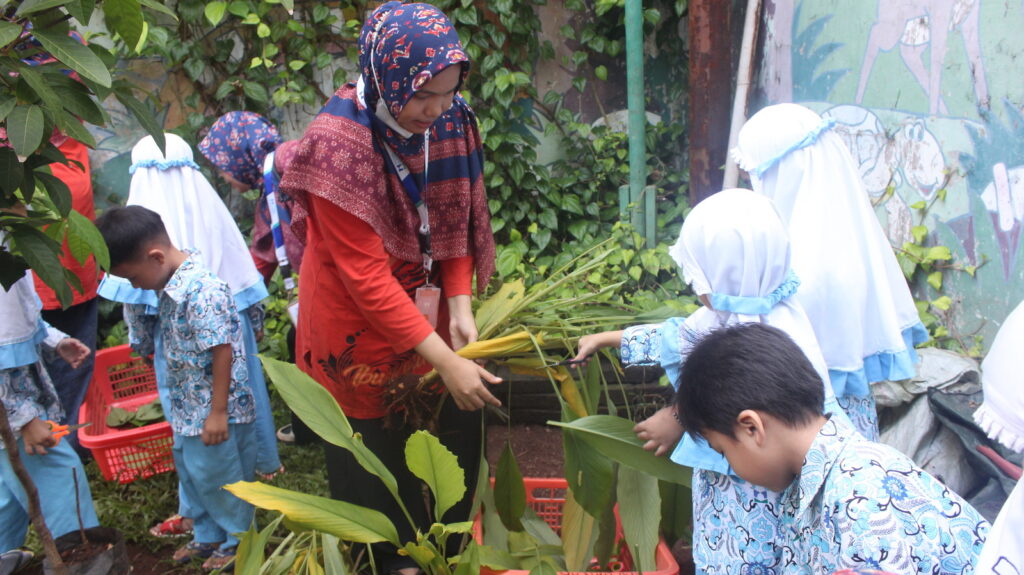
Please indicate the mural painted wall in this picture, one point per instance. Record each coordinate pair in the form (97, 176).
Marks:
(929, 96)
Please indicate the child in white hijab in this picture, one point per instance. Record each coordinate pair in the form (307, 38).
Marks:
(1002, 418)
(852, 287)
(735, 254)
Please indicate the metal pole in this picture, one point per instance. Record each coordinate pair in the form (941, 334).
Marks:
(637, 117)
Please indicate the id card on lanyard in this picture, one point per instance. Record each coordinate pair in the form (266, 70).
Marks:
(428, 297)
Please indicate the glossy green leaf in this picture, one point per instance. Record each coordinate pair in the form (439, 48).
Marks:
(6, 106)
(8, 33)
(83, 228)
(319, 410)
(76, 99)
(158, 6)
(509, 492)
(124, 17)
(214, 12)
(579, 532)
(25, 129)
(72, 127)
(345, 520)
(12, 170)
(75, 56)
(58, 191)
(32, 6)
(640, 513)
(614, 437)
(438, 468)
(43, 255)
(255, 91)
(589, 472)
(123, 93)
(51, 101)
(12, 268)
(334, 563)
(250, 553)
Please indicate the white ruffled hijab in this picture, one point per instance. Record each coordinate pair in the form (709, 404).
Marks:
(1001, 415)
(195, 217)
(852, 289)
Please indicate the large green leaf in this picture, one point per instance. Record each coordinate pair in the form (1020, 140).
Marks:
(640, 512)
(25, 129)
(84, 230)
(81, 10)
(614, 437)
(125, 18)
(214, 12)
(469, 562)
(509, 492)
(579, 532)
(58, 191)
(12, 268)
(250, 554)
(123, 93)
(33, 6)
(334, 563)
(8, 33)
(590, 474)
(12, 170)
(75, 56)
(319, 410)
(43, 255)
(51, 101)
(75, 98)
(345, 520)
(438, 468)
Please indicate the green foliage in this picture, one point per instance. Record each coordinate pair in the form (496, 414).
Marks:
(37, 101)
(925, 264)
(277, 323)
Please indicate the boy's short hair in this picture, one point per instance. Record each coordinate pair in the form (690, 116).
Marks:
(746, 366)
(128, 229)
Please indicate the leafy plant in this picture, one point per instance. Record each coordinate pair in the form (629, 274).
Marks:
(41, 96)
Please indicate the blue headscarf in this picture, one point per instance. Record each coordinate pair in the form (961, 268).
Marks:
(238, 143)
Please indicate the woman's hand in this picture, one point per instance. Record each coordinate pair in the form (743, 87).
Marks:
(36, 436)
(661, 431)
(462, 324)
(73, 351)
(463, 378)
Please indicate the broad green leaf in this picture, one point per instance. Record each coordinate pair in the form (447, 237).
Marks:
(35, 81)
(438, 468)
(12, 268)
(33, 6)
(495, 533)
(76, 99)
(935, 280)
(83, 228)
(76, 56)
(590, 474)
(540, 530)
(214, 12)
(125, 18)
(255, 91)
(614, 437)
(640, 512)
(579, 532)
(262, 30)
(58, 191)
(74, 128)
(6, 107)
(608, 533)
(123, 93)
(509, 492)
(469, 562)
(496, 310)
(543, 568)
(319, 410)
(12, 170)
(345, 520)
(676, 510)
(81, 10)
(43, 255)
(25, 129)
(158, 6)
(497, 558)
(334, 563)
(8, 33)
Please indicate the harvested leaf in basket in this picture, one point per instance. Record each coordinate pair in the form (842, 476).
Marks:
(118, 416)
(145, 414)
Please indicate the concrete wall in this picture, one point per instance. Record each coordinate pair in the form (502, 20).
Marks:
(928, 95)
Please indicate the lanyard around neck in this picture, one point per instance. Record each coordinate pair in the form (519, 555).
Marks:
(412, 189)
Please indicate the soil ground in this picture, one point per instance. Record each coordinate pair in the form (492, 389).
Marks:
(538, 450)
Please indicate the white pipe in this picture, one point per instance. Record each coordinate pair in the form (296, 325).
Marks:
(744, 77)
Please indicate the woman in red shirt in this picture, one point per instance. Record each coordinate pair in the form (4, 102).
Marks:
(388, 183)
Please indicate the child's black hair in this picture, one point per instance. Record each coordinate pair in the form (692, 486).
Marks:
(127, 230)
(746, 366)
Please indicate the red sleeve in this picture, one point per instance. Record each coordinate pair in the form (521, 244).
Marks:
(457, 276)
(364, 268)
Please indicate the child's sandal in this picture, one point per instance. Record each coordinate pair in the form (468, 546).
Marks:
(195, 550)
(173, 526)
(271, 475)
(220, 559)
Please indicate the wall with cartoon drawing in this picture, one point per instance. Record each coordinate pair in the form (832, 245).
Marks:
(929, 96)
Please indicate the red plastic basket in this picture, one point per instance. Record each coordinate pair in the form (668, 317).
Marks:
(547, 497)
(124, 455)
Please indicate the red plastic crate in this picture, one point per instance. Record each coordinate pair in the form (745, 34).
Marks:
(124, 455)
(547, 497)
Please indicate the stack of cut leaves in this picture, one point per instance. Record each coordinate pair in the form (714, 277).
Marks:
(146, 413)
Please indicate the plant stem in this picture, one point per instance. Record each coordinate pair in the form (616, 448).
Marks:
(34, 511)
(78, 509)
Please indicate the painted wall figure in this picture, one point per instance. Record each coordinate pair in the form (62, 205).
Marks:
(923, 27)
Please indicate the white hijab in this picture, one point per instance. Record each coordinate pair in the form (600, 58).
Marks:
(195, 217)
(1001, 415)
(852, 287)
(734, 249)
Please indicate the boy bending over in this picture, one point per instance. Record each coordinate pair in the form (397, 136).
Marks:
(211, 406)
(847, 502)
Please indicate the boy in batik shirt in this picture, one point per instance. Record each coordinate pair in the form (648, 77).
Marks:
(846, 502)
